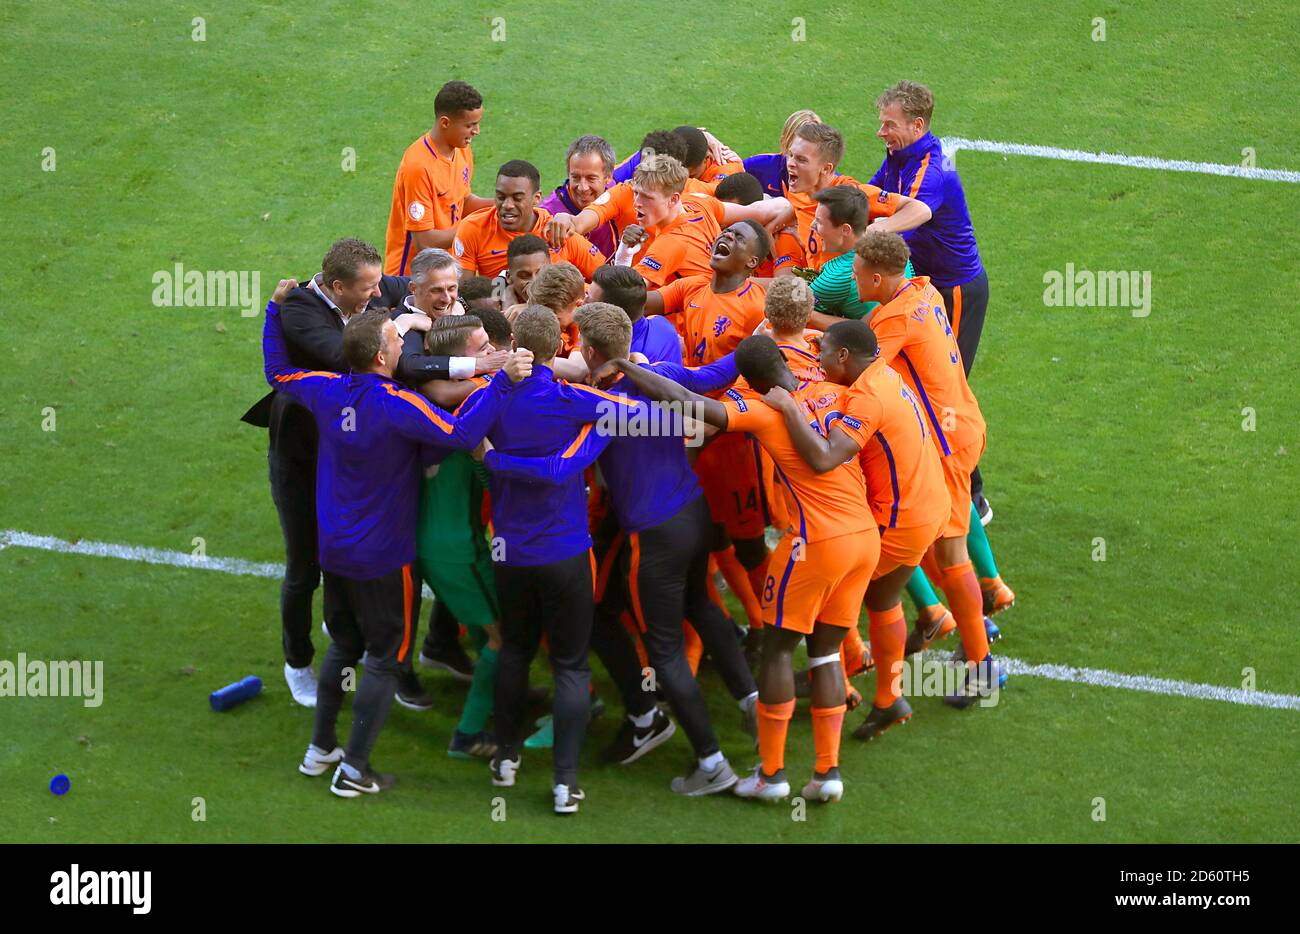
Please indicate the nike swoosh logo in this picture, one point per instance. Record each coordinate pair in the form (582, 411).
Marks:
(639, 741)
(443, 193)
(368, 789)
(495, 252)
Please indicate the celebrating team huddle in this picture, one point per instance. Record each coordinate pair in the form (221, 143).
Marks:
(574, 416)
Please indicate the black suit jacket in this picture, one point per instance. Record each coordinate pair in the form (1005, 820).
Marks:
(313, 334)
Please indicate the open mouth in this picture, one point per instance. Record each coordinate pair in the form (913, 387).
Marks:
(723, 247)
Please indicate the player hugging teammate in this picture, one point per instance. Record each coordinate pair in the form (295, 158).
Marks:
(448, 415)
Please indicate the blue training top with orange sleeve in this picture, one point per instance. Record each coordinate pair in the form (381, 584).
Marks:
(537, 523)
(372, 434)
(644, 463)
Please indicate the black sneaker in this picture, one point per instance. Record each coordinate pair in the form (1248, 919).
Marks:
(634, 742)
(370, 783)
(411, 693)
(451, 659)
(981, 680)
(880, 719)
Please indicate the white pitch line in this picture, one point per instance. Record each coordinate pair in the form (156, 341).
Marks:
(1095, 677)
(12, 538)
(952, 144)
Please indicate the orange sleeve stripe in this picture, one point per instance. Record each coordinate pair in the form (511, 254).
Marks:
(303, 374)
(622, 400)
(572, 449)
(920, 174)
(419, 403)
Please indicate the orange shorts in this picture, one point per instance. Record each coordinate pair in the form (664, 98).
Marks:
(729, 474)
(957, 468)
(821, 582)
(904, 547)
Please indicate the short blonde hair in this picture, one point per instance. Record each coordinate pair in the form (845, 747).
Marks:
(557, 286)
(606, 329)
(914, 99)
(788, 303)
(883, 251)
(792, 124)
(660, 173)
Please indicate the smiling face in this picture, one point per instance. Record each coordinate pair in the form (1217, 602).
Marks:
(524, 269)
(653, 207)
(587, 178)
(735, 250)
(807, 167)
(834, 239)
(460, 129)
(896, 129)
(435, 294)
(478, 344)
(352, 297)
(517, 199)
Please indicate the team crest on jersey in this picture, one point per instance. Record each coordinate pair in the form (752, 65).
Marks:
(465, 175)
(737, 398)
(883, 197)
(603, 199)
(416, 210)
(652, 263)
(721, 325)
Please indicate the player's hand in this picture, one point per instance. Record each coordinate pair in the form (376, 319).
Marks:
(637, 357)
(491, 362)
(480, 452)
(718, 151)
(284, 288)
(634, 235)
(560, 228)
(779, 399)
(606, 371)
(512, 312)
(413, 321)
(520, 365)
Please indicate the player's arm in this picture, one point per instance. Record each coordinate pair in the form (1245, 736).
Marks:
(556, 469)
(447, 393)
(415, 419)
(821, 454)
(663, 389)
(766, 212)
(701, 379)
(572, 368)
(474, 203)
(303, 385)
(909, 214)
(442, 239)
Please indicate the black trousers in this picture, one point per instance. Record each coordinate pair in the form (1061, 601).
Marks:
(293, 489)
(363, 616)
(966, 305)
(663, 580)
(555, 599)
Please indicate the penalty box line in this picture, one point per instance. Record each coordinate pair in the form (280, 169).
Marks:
(1093, 677)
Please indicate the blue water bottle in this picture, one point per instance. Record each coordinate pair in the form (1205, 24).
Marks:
(234, 694)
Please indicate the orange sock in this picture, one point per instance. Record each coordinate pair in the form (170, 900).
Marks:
(853, 652)
(694, 647)
(967, 604)
(827, 724)
(888, 636)
(733, 572)
(757, 578)
(773, 724)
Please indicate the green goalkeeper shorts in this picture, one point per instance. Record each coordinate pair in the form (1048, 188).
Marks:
(468, 590)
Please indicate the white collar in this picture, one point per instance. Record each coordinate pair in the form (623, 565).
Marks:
(315, 287)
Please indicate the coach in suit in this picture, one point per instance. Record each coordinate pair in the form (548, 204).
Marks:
(313, 315)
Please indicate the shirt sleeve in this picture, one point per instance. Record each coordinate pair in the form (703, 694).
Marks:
(461, 368)
(881, 203)
(413, 417)
(556, 469)
(701, 379)
(303, 385)
(786, 252)
(674, 297)
(891, 334)
(746, 413)
(927, 184)
(419, 200)
(610, 204)
(860, 414)
(465, 247)
(661, 261)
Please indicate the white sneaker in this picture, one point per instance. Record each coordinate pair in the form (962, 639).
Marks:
(567, 799)
(763, 788)
(317, 761)
(503, 771)
(302, 684)
(828, 789)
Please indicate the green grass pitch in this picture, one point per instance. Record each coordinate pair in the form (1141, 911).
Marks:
(227, 153)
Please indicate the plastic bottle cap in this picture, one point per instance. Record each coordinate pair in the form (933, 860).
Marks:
(60, 784)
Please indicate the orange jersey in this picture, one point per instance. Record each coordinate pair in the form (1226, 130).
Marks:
(481, 245)
(880, 203)
(570, 339)
(905, 483)
(917, 341)
(428, 194)
(715, 172)
(712, 324)
(801, 357)
(818, 506)
(684, 245)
